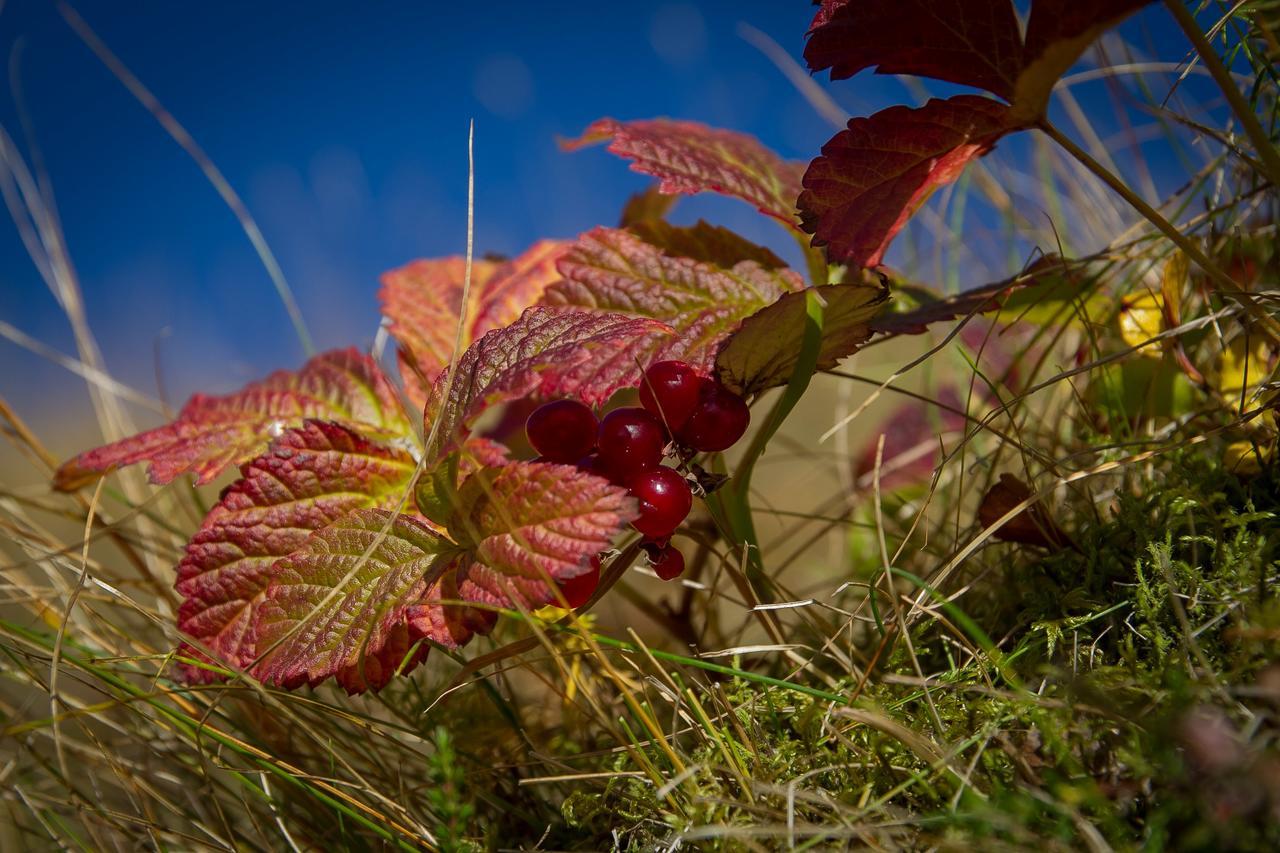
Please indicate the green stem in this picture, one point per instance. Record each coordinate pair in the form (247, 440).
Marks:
(1248, 118)
(734, 498)
(1224, 282)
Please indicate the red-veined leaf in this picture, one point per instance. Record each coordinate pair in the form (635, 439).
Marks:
(424, 301)
(687, 157)
(762, 353)
(400, 652)
(339, 598)
(527, 522)
(617, 272)
(309, 478)
(972, 42)
(549, 352)
(212, 433)
(876, 173)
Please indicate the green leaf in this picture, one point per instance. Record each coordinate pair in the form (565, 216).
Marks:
(764, 351)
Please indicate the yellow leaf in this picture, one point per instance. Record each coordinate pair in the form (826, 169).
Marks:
(1172, 283)
(1141, 319)
(1244, 365)
(1244, 458)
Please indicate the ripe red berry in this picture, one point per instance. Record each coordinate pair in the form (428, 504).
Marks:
(562, 430)
(665, 501)
(719, 420)
(669, 389)
(578, 590)
(631, 441)
(667, 563)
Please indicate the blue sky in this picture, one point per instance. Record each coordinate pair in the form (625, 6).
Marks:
(343, 126)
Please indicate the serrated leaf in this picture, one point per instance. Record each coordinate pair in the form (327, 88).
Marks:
(710, 244)
(400, 652)
(765, 349)
(309, 478)
(212, 433)
(1058, 32)
(343, 595)
(423, 300)
(616, 272)
(549, 352)
(971, 42)
(687, 157)
(528, 522)
(874, 175)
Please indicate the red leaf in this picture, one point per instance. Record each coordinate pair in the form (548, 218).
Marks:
(211, 433)
(614, 271)
(308, 479)
(549, 352)
(912, 442)
(527, 522)
(343, 595)
(874, 175)
(376, 669)
(1057, 33)
(690, 158)
(424, 301)
(971, 42)
(1031, 526)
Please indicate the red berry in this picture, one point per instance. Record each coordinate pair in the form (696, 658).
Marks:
(631, 441)
(562, 430)
(719, 420)
(578, 590)
(665, 501)
(669, 389)
(667, 563)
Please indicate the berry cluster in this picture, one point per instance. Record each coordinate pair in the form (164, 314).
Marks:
(681, 414)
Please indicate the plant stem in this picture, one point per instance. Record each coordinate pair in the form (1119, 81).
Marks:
(1224, 282)
(1248, 118)
(734, 497)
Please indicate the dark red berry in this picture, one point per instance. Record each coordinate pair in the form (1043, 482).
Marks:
(719, 420)
(667, 563)
(578, 590)
(631, 441)
(669, 389)
(562, 430)
(665, 501)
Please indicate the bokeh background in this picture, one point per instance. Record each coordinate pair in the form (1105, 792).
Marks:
(343, 127)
